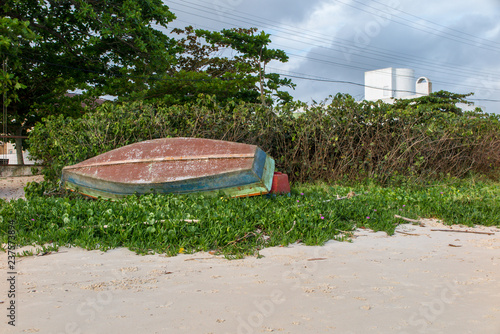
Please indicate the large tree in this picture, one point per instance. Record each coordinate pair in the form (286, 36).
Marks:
(100, 47)
(229, 64)
(254, 53)
(12, 31)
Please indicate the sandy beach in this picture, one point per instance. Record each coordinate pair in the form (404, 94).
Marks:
(417, 281)
(13, 187)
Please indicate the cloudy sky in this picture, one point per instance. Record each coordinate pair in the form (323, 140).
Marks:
(455, 43)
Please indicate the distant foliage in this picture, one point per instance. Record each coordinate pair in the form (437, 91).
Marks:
(338, 140)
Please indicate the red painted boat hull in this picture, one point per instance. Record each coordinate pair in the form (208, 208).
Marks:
(174, 165)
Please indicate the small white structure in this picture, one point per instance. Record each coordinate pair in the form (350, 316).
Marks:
(423, 86)
(12, 158)
(8, 152)
(390, 83)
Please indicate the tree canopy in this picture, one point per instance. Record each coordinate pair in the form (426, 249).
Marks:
(202, 68)
(52, 47)
(101, 47)
(11, 32)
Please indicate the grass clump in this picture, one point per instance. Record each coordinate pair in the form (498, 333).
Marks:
(312, 214)
(167, 223)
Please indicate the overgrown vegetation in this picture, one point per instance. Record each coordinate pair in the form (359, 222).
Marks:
(101, 47)
(112, 48)
(367, 145)
(123, 49)
(237, 227)
(339, 141)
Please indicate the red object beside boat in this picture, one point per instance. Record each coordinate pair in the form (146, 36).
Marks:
(280, 184)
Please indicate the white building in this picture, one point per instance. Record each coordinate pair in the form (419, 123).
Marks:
(390, 83)
(8, 155)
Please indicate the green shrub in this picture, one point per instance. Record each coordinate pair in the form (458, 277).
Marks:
(341, 140)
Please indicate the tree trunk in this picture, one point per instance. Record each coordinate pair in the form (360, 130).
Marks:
(261, 79)
(262, 99)
(19, 148)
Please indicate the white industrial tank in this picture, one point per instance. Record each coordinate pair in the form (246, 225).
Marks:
(404, 79)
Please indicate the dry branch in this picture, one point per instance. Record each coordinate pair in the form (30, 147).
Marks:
(349, 195)
(462, 231)
(407, 233)
(407, 219)
(234, 242)
(291, 228)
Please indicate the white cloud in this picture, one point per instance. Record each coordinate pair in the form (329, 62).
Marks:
(339, 39)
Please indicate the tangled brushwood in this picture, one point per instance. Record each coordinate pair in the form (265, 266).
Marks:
(338, 140)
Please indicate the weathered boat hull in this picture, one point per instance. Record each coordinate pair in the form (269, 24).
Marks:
(174, 165)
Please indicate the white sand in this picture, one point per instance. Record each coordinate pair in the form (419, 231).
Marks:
(376, 284)
(13, 187)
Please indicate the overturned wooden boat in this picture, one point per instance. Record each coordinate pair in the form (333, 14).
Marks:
(173, 165)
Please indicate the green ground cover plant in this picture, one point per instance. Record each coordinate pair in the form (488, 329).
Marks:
(312, 215)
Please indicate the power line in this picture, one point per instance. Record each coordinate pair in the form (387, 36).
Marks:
(489, 48)
(437, 24)
(321, 38)
(363, 52)
(320, 79)
(295, 76)
(182, 79)
(446, 69)
(330, 62)
(363, 68)
(485, 100)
